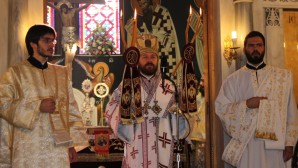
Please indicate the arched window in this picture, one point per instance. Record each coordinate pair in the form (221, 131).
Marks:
(87, 21)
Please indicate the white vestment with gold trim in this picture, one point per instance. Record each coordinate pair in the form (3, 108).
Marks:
(27, 135)
(258, 136)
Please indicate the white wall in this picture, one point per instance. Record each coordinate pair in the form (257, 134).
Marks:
(227, 25)
(16, 17)
(36, 12)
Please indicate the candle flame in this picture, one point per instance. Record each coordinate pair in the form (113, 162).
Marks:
(135, 15)
(234, 35)
(200, 11)
(190, 10)
(121, 14)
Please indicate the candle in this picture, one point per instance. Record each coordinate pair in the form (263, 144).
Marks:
(134, 31)
(188, 23)
(234, 35)
(234, 38)
(197, 27)
(122, 31)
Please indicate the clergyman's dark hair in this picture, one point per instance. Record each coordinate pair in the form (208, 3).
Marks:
(35, 33)
(254, 34)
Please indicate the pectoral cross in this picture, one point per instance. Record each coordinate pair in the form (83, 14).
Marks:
(156, 108)
(146, 107)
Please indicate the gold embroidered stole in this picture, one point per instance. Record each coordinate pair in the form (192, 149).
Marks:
(60, 118)
(233, 151)
(271, 122)
(281, 94)
(266, 120)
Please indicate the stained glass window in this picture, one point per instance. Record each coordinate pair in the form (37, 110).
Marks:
(106, 15)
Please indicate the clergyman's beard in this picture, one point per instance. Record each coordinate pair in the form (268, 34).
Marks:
(148, 71)
(147, 18)
(41, 53)
(255, 57)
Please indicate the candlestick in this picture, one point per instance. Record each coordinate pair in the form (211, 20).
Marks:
(134, 31)
(197, 27)
(122, 31)
(188, 23)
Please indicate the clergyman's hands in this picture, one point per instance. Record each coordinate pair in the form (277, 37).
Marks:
(288, 153)
(254, 102)
(47, 105)
(72, 153)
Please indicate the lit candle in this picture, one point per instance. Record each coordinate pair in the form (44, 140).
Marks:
(122, 30)
(234, 35)
(134, 31)
(197, 27)
(234, 38)
(188, 23)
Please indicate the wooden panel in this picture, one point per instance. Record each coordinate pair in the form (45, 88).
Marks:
(214, 130)
(290, 18)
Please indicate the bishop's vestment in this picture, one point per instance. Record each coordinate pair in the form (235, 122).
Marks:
(151, 142)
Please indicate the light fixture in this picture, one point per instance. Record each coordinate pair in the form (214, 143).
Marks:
(69, 39)
(230, 53)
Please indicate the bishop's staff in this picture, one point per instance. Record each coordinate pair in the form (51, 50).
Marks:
(101, 90)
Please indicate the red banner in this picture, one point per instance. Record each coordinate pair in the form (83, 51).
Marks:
(101, 140)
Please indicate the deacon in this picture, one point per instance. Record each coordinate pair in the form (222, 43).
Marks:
(40, 122)
(258, 110)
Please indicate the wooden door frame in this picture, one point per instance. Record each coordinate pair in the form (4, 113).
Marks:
(212, 64)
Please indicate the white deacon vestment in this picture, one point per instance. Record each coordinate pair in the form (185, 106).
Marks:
(278, 112)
